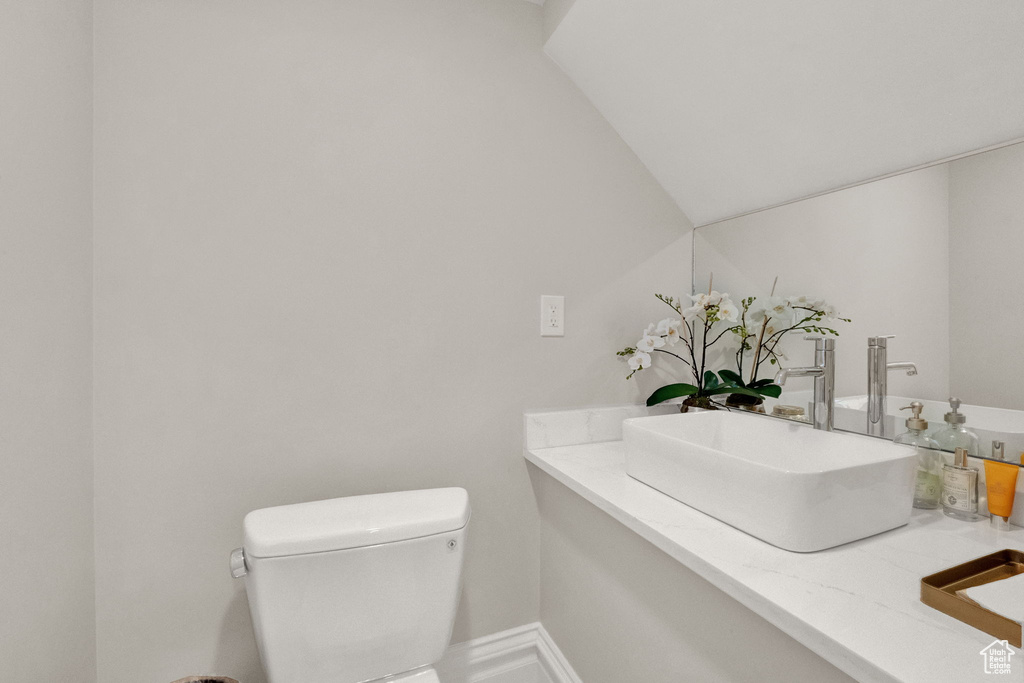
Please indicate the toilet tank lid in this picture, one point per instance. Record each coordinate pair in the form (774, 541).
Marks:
(354, 522)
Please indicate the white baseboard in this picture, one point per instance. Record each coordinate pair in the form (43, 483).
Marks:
(552, 660)
(521, 648)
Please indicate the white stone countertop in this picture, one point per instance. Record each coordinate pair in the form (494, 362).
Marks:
(857, 606)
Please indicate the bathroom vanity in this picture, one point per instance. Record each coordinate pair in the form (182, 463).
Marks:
(856, 606)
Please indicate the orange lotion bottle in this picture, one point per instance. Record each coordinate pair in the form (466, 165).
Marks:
(1001, 484)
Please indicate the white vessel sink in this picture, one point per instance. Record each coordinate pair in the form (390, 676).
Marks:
(787, 484)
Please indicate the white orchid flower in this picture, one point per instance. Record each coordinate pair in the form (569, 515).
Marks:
(649, 343)
(727, 310)
(805, 302)
(697, 309)
(693, 312)
(779, 308)
(775, 308)
(715, 298)
(706, 300)
(639, 361)
(668, 329)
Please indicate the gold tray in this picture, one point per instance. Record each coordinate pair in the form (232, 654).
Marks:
(940, 591)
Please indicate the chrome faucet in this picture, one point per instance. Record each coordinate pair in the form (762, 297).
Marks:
(878, 378)
(824, 373)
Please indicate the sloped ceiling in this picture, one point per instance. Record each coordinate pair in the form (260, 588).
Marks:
(736, 105)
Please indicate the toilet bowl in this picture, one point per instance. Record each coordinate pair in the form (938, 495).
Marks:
(355, 589)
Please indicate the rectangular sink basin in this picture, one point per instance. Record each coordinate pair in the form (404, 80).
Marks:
(797, 488)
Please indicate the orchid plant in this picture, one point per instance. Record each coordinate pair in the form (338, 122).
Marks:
(769, 322)
(712, 318)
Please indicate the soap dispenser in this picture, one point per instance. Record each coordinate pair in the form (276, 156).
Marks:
(928, 483)
(955, 435)
(960, 488)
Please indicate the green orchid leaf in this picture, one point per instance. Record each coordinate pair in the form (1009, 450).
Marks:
(732, 390)
(670, 391)
(730, 376)
(771, 391)
(710, 380)
(760, 383)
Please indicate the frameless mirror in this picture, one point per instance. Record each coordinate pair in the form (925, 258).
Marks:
(932, 257)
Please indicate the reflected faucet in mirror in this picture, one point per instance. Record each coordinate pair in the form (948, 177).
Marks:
(824, 373)
(878, 380)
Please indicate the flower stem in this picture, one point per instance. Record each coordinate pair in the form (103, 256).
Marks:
(676, 355)
(764, 326)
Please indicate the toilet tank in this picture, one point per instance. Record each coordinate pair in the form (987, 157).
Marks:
(353, 589)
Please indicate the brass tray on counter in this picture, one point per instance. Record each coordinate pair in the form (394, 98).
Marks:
(940, 591)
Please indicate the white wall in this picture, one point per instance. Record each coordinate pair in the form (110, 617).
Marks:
(554, 12)
(322, 230)
(46, 567)
(621, 610)
(986, 215)
(877, 252)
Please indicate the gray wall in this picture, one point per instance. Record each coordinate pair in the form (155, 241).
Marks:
(46, 566)
(622, 610)
(986, 241)
(322, 231)
(554, 13)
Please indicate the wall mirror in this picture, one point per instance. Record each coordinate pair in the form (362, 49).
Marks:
(933, 257)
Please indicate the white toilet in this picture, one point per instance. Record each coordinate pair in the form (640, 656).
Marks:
(355, 589)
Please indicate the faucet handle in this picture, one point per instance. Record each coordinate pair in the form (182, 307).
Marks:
(820, 342)
(879, 341)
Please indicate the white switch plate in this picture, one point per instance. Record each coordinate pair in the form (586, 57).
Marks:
(552, 316)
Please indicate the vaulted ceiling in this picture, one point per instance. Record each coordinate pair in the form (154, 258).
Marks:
(736, 105)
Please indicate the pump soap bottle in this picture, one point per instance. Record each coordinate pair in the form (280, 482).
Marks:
(956, 435)
(928, 484)
(960, 489)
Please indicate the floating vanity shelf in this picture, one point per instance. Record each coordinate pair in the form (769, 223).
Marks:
(857, 605)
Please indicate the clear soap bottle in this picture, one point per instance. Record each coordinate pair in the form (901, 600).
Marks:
(960, 489)
(955, 435)
(928, 483)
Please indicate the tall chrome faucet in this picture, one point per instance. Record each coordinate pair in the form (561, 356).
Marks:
(878, 379)
(824, 373)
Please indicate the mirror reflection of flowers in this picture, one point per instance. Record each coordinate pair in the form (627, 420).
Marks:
(714, 317)
(776, 317)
